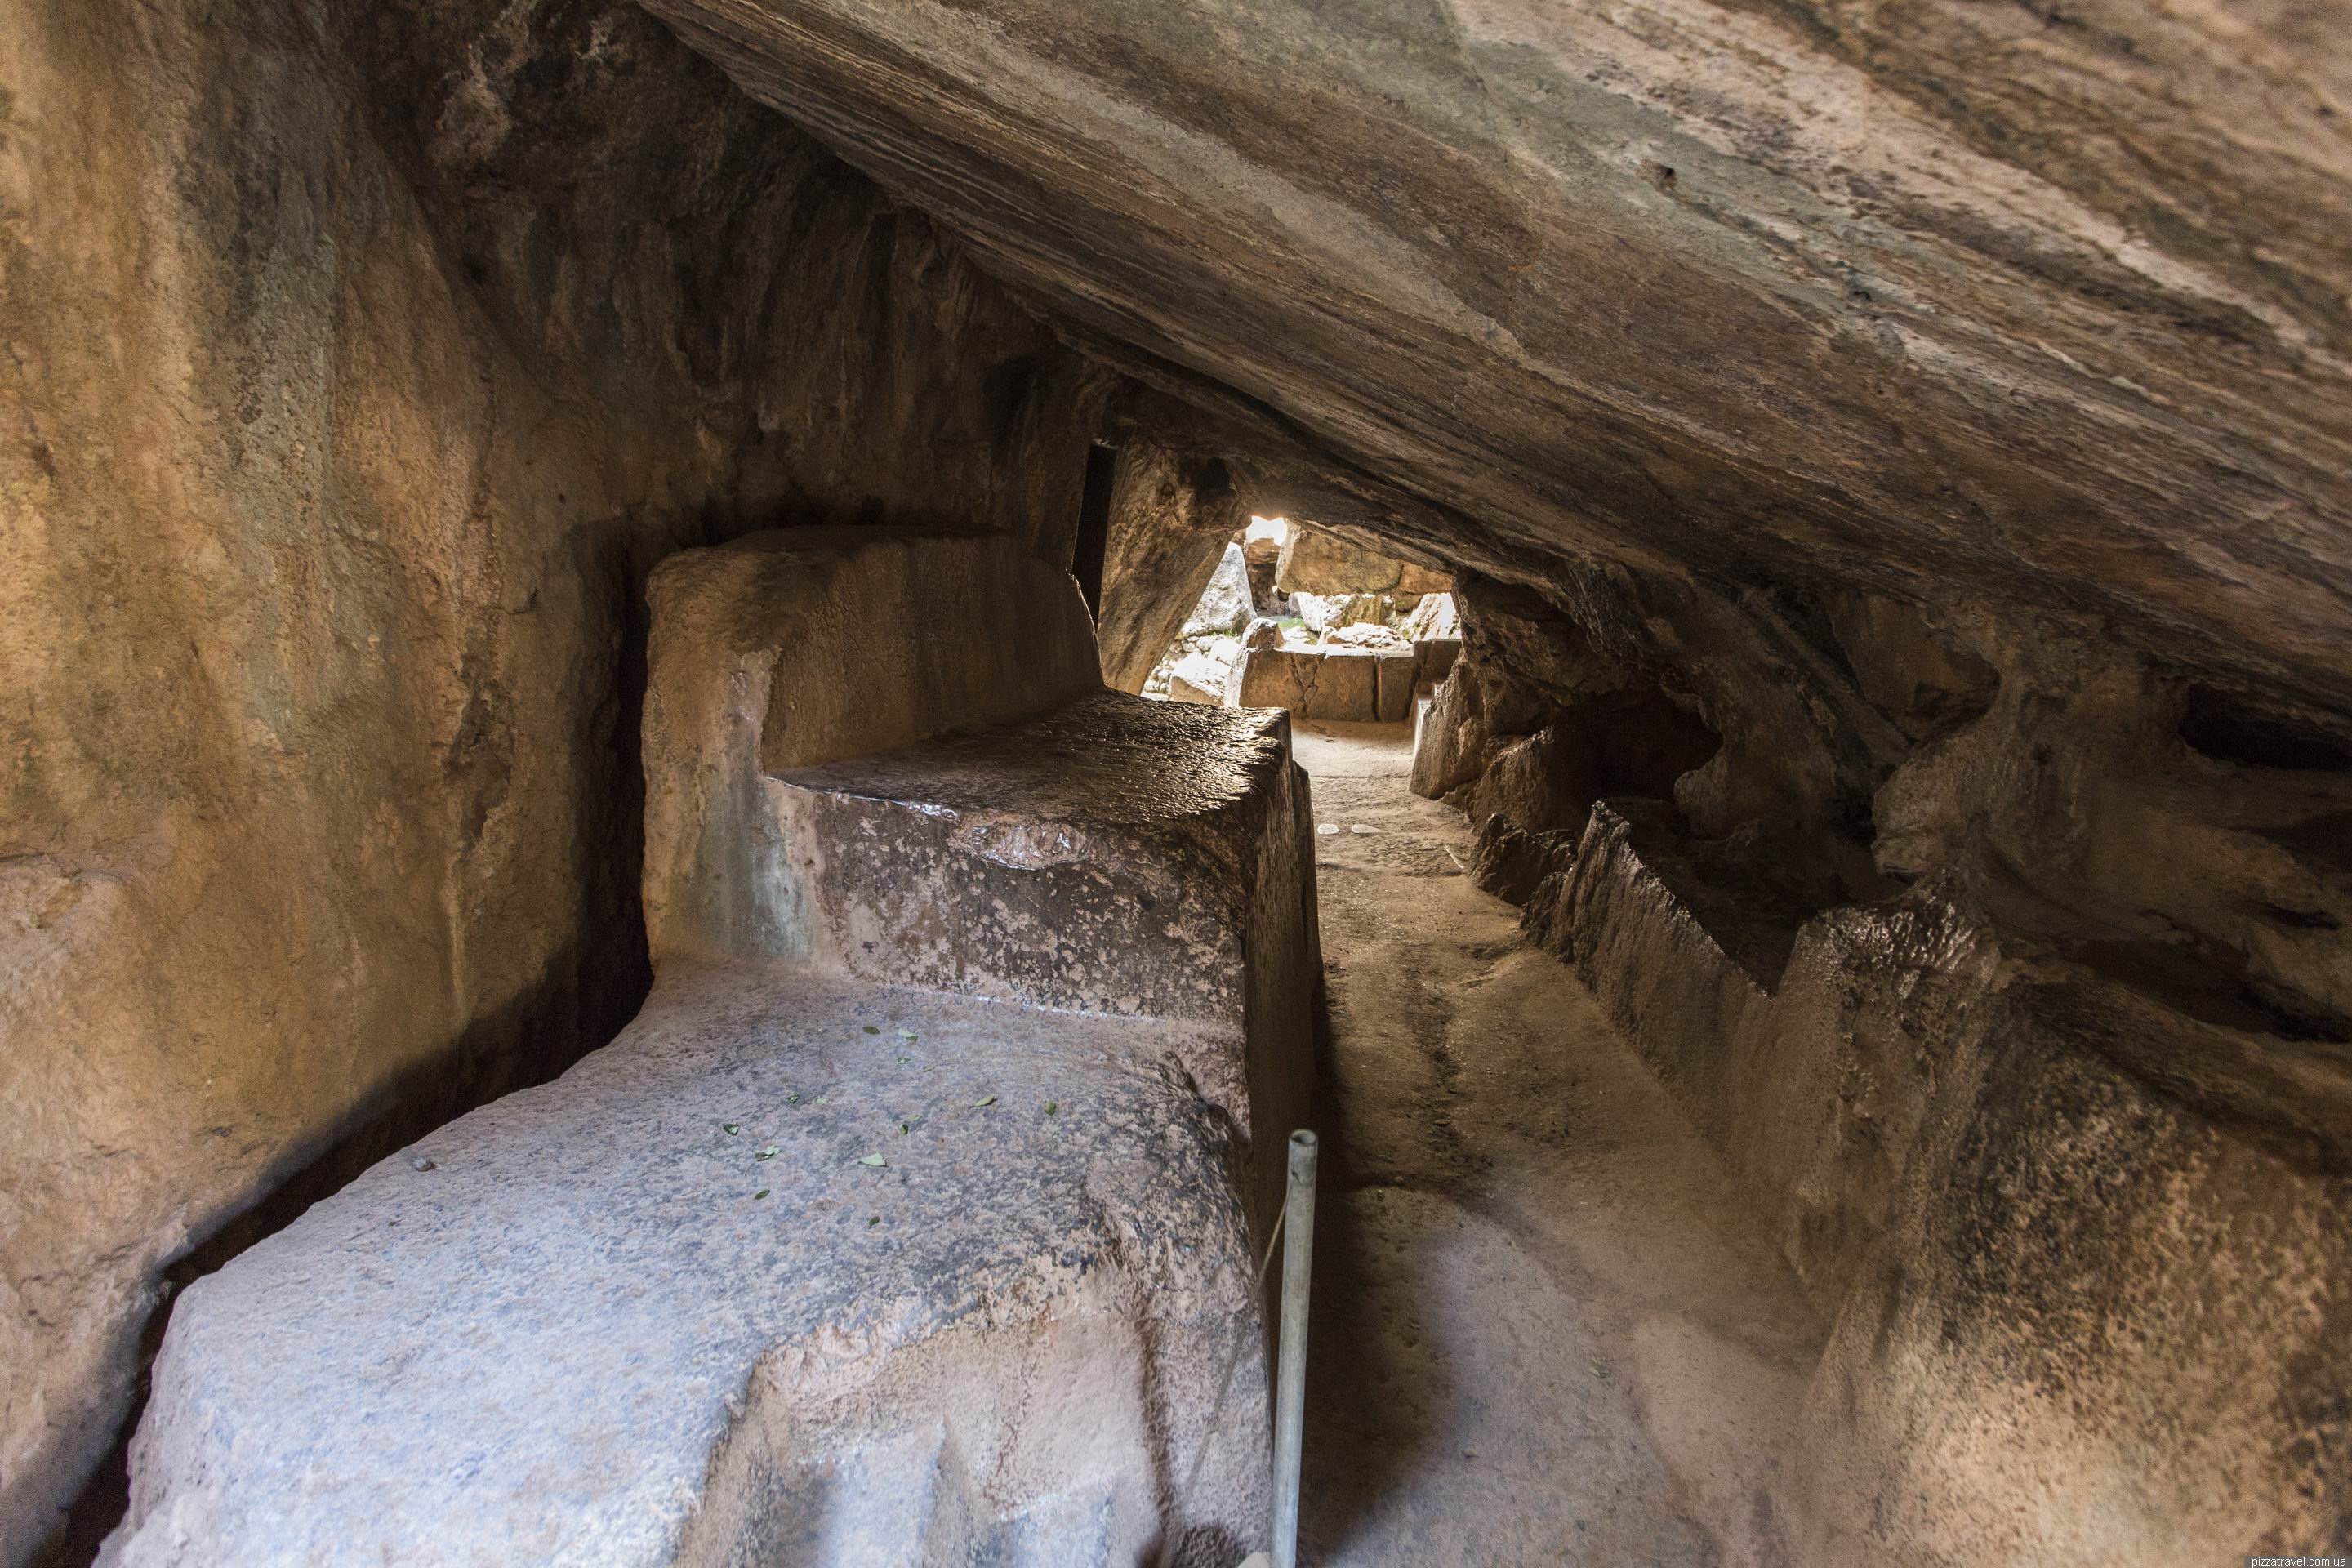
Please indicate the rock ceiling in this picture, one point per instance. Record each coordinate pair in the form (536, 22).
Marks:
(2043, 305)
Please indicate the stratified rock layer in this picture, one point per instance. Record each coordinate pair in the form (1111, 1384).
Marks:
(2043, 313)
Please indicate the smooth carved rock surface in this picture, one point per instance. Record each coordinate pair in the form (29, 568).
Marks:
(750, 674)
(2040, 311)
(584, 1337)
(1348, 685)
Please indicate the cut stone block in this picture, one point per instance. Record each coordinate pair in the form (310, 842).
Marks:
(1435, 656)
(1396, 672)
(1344, 686)
(1120, 857)
(1338, 684)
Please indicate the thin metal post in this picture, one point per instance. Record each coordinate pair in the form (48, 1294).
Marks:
(1290, 1368)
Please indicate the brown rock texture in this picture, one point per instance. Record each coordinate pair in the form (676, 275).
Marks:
(2037, 311)
(1172, 518)
(360, 363)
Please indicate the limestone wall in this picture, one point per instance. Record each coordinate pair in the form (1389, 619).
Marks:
(361, 361)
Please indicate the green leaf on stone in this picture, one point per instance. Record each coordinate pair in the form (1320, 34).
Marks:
(731, 1128)
(872, 1030)
(977, 1104)
(872, 1220)
(908, 1035)
(791, 1100)
(873, 1160)
(767, 1153)
(1052, 1106)
(758, 1196)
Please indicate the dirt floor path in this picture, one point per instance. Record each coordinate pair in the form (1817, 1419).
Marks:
(1544, 1328)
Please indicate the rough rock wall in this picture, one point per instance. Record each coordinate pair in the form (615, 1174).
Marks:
(1905, 445)
(361, 362)
(2083, 1253)
(2007, 971)
(1172, 517)
(2039, 310)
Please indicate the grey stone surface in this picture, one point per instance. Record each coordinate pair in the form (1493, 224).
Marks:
(1088, 859)
(584, 1338)
(1342, 684)
(1224, 603)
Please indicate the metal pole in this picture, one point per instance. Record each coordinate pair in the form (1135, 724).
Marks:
(1290, 1368)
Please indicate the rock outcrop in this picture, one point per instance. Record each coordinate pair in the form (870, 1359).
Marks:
(2053, 1123)
(913, 1220)
(1172, 518)
(2084, 1249)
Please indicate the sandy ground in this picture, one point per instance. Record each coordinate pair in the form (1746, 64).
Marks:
(1545, 1331)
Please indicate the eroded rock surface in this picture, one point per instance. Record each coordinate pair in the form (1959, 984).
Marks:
(2084, 1254)
(361, 363)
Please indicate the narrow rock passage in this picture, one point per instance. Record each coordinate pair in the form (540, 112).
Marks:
(1545, 1329)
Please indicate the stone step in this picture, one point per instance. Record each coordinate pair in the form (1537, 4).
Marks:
(1103, 858)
